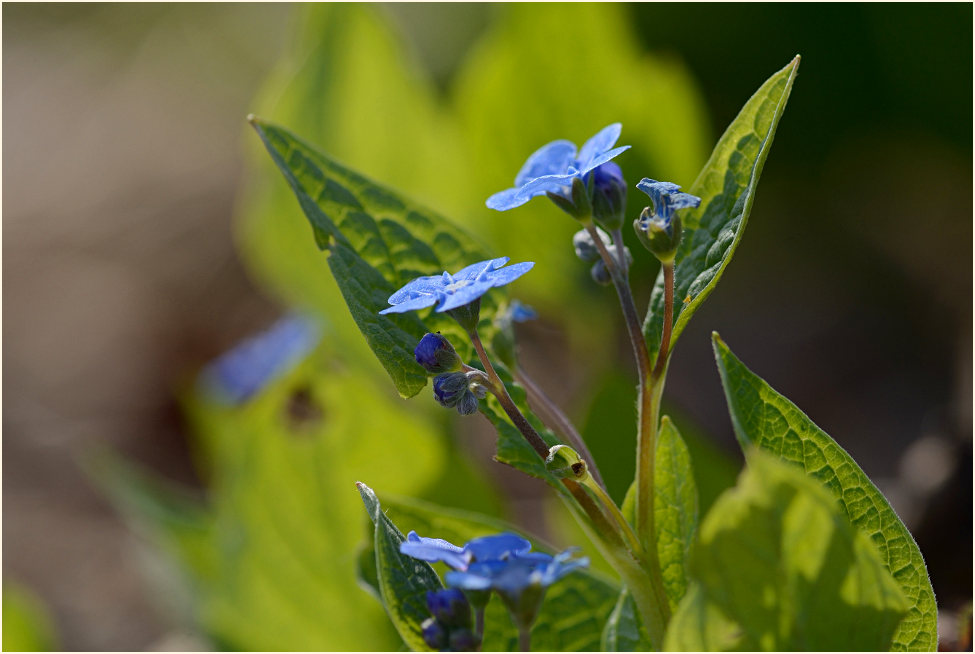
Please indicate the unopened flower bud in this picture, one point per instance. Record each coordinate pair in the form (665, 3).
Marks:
(450, 607)
(658, 236)
(436, 354)
(609, 195)
(434, 634)
(448, 389)
(585, 246)
(575, 202)
(599, 272)
(565, 463)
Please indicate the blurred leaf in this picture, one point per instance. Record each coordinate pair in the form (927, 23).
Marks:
(403, 581)
(624, 631)
(778, 557)
(574, 609)
(699, 626)
(726, 187)
(376, 242)
(27, 626)
(675, 509)
(764, 418)
(278, 563)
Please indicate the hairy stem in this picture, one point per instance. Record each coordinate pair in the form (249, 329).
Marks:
(610, 506)
(559, 420)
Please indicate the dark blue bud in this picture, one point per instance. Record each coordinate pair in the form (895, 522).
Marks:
(463, 640)
(450, 607)
(609, 196)
(599, 272)
(436, 354)
(467, 404)
(434, 634)
(449, 388)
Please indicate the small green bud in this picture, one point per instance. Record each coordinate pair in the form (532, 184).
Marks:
(565, 463)
(659, 237)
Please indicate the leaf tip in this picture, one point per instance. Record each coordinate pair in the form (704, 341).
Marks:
(253, 119)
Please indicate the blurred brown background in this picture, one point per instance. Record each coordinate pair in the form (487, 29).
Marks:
(121, 153)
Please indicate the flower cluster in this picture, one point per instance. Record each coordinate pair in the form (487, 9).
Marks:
(503, 563)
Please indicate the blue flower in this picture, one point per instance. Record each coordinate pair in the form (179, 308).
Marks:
(435, 549)
(667, 198)
(243, 371)
(514, 575)
(552, 168)
(487, 548)
(450, 292)
(450, 607)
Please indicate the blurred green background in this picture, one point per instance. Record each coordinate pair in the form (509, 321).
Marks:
(147, 232)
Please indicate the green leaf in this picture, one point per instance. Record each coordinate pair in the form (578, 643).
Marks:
(403, 581)
(27, 624)
(699, 626)
(674, 508)
(574, 609)
(778, 557)
(624, 631)
(726, 186)
(764, 418)
(377, 241)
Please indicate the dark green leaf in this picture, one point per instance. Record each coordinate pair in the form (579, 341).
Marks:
(777, 556)
(377, 241)
(403, 581)
(726, 186)
(574, 609)
(764, 418)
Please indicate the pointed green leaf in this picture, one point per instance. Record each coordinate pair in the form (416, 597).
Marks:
(778, 557)
(726, 186)
(764, 418)
(624, 631)
(403, 580)
(574, 608)
(27, 623)
(377, 241)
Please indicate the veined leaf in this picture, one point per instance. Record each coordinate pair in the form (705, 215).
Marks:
(726, 186)
(777, 556)
(403, 580)
(765, 419)
(574, 608)
(377, 241)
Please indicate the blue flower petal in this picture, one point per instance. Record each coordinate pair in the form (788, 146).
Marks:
(519, 312)
(599, 160)
(550, 159)
(601, 142)
(243, 371)
(414, 304)
(471, 291)
(472, 271)
(434, 549)
(506, 199)
(495, 547)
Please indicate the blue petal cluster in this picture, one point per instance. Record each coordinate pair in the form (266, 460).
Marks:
(514, 575)
(243, 371)
(449, 292)
(667, 198)
(503, 562)
(552, 167)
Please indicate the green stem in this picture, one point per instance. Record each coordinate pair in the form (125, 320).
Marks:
(610, 506)
(525, 638)
(560, 421)
(479, 626)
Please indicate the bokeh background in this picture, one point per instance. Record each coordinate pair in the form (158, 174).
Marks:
(145, 233)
